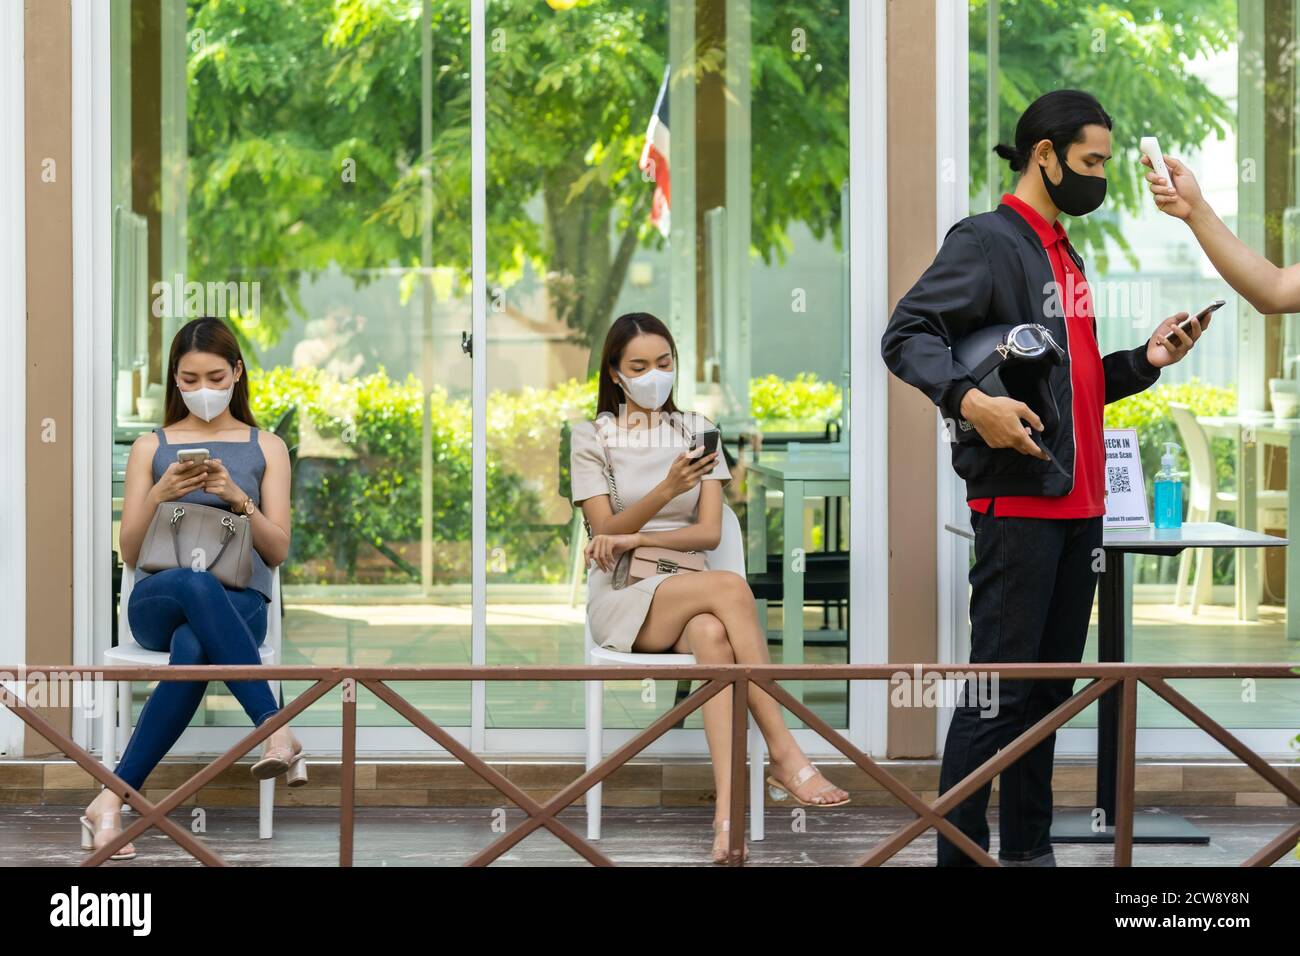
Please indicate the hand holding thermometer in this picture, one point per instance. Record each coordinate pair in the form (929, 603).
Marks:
(1150, 148)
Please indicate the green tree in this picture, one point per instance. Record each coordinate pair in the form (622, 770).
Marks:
(284, 97)
(1134, 57)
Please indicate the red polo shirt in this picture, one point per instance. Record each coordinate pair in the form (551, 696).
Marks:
(1087, 380)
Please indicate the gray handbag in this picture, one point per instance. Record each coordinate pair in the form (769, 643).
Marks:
(211, 539)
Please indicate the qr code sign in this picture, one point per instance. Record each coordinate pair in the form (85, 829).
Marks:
(1117, 479)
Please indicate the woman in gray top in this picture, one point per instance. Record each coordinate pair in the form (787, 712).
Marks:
(190, 613)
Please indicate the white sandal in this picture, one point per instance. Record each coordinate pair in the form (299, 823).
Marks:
(106, 825)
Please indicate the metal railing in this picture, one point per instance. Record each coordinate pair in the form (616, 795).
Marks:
(1123, 678)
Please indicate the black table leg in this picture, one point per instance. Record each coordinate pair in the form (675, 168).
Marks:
(1110, 648)
(1080, 826)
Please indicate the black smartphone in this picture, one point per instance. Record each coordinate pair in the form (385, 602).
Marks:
(708, 439)
(1185, 326)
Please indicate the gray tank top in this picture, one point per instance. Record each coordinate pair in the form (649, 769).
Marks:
(246, 464)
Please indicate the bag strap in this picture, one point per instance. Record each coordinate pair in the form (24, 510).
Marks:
(609, 463)
(226, 522)
(609, 469)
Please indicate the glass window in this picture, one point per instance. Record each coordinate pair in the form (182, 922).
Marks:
(733, 234)
(1215, 82)
(302, 170)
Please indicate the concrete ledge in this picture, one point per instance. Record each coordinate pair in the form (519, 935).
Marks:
(644, 783)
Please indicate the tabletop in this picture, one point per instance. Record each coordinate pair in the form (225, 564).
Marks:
(1193, 534)
(822, 464)
(1260, 421)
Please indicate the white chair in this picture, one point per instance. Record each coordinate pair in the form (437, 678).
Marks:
(728, 556)
(116, 717)
(1205, 501)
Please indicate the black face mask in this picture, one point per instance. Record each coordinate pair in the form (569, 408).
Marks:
(1076, 194)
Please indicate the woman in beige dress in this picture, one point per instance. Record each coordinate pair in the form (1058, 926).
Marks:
(670, 498)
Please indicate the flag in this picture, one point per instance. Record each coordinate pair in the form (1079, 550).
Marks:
(654, 158)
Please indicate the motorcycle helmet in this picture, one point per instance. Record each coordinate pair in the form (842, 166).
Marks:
(1011, 361)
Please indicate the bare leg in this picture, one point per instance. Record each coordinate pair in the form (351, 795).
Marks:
(706, 638)
(727, 597)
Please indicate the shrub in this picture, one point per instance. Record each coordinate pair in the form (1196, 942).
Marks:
(357, 497)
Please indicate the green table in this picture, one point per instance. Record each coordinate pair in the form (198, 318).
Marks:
(810, 471)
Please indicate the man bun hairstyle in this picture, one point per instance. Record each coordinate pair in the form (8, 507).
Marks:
(1059, 116)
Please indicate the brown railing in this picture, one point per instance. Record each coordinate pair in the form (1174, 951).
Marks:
(1124, 678)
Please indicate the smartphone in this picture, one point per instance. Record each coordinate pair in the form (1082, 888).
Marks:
(1185, 326)
(199, 455)
(708, 439)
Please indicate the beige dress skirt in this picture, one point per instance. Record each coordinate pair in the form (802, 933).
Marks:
(641, 460)
(616, 616)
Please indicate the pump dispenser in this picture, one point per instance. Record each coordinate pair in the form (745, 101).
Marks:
(1169, 490)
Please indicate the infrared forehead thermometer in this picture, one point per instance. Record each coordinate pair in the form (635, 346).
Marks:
(1150, 147)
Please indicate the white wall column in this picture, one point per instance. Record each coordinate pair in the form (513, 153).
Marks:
(13, 378)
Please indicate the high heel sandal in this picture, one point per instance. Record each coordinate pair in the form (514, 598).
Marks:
(105, 826)
(279, 760)
(722, 855)
(779, 790)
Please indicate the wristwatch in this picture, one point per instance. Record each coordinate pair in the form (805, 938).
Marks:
(247, 507)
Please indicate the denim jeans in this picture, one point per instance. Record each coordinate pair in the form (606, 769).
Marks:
(1032, 586)
(199, 621)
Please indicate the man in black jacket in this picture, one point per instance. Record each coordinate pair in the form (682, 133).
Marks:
(1037, 516)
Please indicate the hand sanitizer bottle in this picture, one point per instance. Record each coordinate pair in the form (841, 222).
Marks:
(1169, 490)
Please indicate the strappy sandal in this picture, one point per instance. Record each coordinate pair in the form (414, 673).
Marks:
(722, 855)
(281, 760)
(107, 823)
(780, 790)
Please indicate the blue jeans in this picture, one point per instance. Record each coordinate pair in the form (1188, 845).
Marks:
(199, 621)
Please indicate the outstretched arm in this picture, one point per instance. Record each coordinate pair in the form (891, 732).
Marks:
(1268, 288)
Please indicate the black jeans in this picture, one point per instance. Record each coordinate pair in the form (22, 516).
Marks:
(1032, 586)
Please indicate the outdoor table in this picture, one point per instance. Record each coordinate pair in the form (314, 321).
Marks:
(1076, 826)
(814, 471)
(1246, 430)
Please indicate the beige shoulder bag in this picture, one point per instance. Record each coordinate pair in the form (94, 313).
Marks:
(644, 562)
(180, 527)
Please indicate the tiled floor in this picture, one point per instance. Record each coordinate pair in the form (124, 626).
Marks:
(47, 836)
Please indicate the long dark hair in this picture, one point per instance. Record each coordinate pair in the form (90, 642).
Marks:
(609, 394)
(206, 335)
(1059, 116)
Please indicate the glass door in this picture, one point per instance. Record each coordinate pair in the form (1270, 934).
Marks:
(689, 160)
(308, 172)
(300, 170)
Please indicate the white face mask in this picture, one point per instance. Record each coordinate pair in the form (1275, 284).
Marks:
(208, 403)
(650, 389)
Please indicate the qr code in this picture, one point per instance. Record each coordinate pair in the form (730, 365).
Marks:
(1117, 480)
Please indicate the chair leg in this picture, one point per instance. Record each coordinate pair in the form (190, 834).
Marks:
(683, 691)
(124, 711)
(595, 738)
(1201, 584)
(108, 725)
(1184, 565)
(265, 807)
(756, 781)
